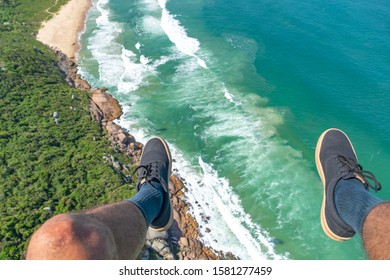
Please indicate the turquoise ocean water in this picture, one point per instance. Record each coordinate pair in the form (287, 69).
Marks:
(241, 90)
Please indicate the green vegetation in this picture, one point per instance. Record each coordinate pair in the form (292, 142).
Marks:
(44, 164)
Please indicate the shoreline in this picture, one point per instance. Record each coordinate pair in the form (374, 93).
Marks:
(61, 32)
(182, 241)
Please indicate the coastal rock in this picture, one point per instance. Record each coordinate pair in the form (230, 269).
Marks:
(162, 248)
(69, 70)
(185, 227)
(176, 185)
(203, 256)
(159, 245)
(108, 105)
(117, 165)
(183, 241)
(112, 127)
(152, 234)
(80, 83)
(175, 200)
(96, 112)
(138, 146)
(122, 138)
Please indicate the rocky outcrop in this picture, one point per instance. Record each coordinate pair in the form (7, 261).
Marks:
(107, 104)
(184, 231)
(69, 69)
(122, 139)
(182, 241)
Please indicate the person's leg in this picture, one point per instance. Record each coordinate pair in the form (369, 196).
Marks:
(376, 230)
(115, 231)
(347, 206)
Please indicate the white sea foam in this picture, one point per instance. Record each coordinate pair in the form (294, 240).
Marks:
(152, 25)
(162, 3)
(230, 96)
(144, 60)
(178, 35)
(150, 5)
(118, 66)
(240, 137)
(134, 73)
(104, 47)
(239, 222)
(187, 67)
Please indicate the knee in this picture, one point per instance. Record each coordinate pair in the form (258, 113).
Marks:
(71, 237)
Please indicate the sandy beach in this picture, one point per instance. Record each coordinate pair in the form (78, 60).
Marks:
(61, 31)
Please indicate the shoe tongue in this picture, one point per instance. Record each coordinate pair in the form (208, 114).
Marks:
(349, 175)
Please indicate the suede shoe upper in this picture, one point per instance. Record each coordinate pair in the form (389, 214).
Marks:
(156, 165)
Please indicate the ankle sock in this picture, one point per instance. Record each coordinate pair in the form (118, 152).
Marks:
(353, 203)
(149, 199)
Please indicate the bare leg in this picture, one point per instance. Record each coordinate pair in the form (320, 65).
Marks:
(376, 238)
(115, 231)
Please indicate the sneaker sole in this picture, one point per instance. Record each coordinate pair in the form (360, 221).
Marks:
(170, 222)
(324, 223)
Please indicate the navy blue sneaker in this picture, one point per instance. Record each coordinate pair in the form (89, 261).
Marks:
(156, 165)
(335, 160)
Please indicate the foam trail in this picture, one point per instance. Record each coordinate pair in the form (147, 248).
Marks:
(178, 35)
(229, 96)
(229, 205)
(104, 47)
(144, 60)
(151, 5)
(133, 73)
(118, 67)
(152, 25)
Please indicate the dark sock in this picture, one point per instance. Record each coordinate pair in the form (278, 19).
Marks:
(354, 202)
(149, 199)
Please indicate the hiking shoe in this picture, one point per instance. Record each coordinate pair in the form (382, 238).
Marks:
(156, 165)
(335, 160)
